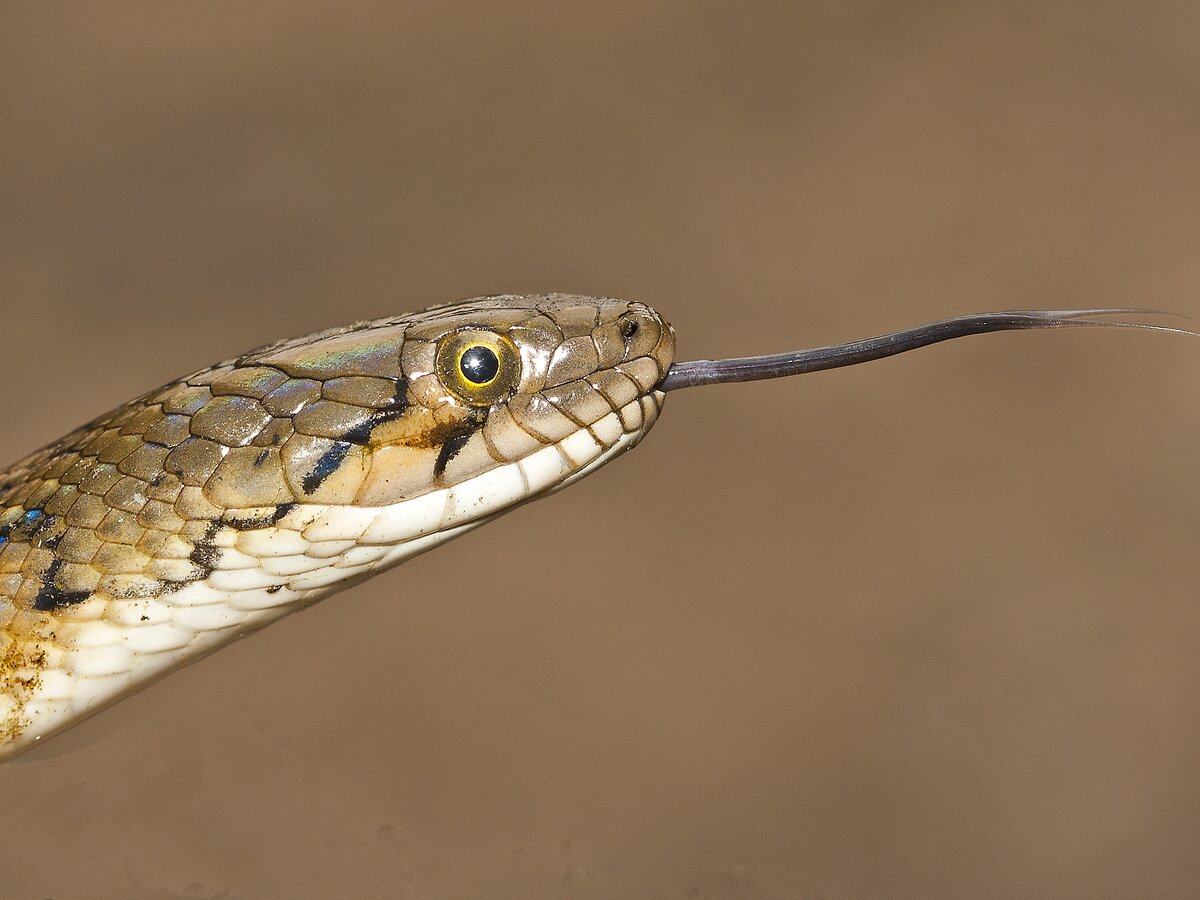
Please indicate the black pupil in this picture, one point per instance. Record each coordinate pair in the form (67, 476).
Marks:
(479, 365)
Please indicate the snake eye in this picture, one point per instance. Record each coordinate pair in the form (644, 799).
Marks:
(478, 367)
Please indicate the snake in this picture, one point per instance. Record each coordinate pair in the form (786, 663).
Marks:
(208, 508)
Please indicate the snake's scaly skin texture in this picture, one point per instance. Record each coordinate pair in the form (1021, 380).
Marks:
(213, 506)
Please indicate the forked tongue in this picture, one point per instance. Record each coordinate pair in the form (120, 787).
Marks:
(779, 365)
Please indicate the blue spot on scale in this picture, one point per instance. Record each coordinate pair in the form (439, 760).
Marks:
(32, 514)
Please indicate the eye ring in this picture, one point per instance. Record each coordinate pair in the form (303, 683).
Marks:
(478, 367)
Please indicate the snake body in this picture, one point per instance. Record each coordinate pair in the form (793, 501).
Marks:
(222, 501)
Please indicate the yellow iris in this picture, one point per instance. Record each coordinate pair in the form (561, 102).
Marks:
(479, 367)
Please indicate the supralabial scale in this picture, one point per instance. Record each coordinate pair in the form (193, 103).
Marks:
(210, 507)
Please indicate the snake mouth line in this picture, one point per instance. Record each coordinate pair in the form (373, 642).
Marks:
(799, 362)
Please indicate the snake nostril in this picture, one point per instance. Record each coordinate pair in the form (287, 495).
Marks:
(629, 327)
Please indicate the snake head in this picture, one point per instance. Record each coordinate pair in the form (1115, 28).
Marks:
(522, 392)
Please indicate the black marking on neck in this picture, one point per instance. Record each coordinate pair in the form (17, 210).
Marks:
(262, 521)
(51, 597)
(35, 527)
(205, 555)
(45, 531)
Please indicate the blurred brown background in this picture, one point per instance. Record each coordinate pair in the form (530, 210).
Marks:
(923, 628)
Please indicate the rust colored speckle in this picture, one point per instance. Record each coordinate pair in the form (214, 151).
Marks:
(21, 668)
